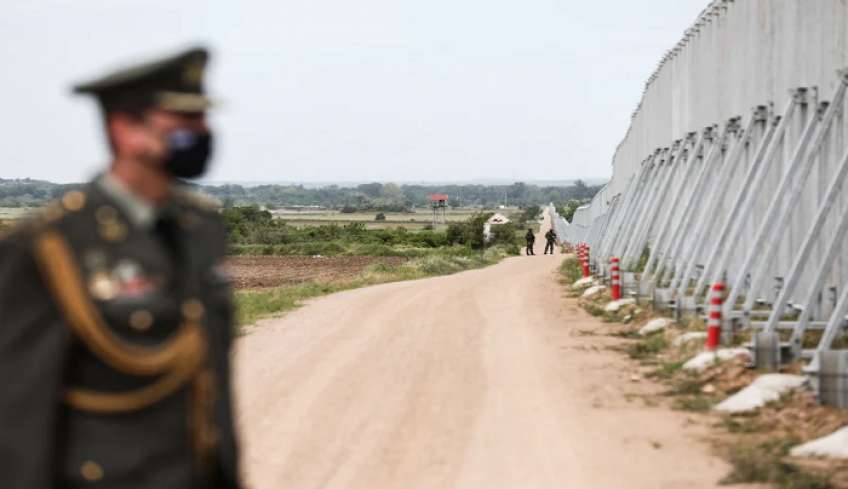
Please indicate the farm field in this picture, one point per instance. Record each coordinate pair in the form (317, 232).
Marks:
(410, 220)
(15, 213)
(259, 272)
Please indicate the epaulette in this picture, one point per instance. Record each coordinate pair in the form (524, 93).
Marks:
(53, 211)
(197, 199)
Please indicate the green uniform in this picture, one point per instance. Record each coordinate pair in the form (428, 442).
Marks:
(116, 324)
(115, 331)
(531, 238)
(550, 237)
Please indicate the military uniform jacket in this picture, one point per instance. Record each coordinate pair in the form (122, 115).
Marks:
(114, 347)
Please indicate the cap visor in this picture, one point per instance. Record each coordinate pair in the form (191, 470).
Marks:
(183, 102)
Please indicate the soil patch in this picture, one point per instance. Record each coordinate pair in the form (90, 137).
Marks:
(261, 272)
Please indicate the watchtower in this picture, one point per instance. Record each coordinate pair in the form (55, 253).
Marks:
(439, 202)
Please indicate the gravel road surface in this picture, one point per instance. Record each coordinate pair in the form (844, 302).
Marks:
(485, 379)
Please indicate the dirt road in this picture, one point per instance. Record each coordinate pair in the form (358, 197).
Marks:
(485, 379)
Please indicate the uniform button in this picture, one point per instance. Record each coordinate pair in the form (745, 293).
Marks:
(73, 200)
(102, 287)
(105, 214)
(141, 320)
(91, 471)
(112, 230)
(193, 309)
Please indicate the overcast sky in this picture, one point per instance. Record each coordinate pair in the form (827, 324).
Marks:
(341, 90)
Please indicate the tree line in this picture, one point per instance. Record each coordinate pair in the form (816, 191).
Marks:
(381, 197)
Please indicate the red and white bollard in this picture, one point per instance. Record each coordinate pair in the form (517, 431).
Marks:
(714, 319)
(615, 278)
(585, 261)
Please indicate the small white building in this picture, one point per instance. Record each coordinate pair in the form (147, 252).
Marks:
(496, 219)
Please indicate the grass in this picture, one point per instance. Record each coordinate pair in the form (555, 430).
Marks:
(698, 403)
(643, 261)
(647, 348)
(667, 370)
(756, 453)
(571, 270)
(687, 392)
(253, 305)
(764, 462)
(15, 213)
(411, 220)
(686, 386)
(626, 334)
(340, 248)
(741, 424)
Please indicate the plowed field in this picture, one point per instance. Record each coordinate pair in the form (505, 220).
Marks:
(257, 272)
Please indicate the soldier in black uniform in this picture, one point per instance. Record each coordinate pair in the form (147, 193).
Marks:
(551, 238)
(531, 238)
(115, 316)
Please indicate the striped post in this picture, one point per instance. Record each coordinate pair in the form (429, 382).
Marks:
(714, 320)
(615, 290)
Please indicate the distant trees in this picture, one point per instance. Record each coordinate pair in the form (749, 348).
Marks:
(27, 192)
(368, 197)
(566, 209)
(530, 213)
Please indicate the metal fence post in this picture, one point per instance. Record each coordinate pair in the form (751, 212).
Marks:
(775, 216)
(673, 204)
(738, 214)
(715, 197)
(637, 243)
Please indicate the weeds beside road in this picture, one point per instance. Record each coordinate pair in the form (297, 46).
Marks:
(421, 254)
(757, 443)
(255, 304)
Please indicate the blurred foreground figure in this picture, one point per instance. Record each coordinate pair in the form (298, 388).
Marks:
(115, 318)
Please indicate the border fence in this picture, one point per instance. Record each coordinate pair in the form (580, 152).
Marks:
(733, 170)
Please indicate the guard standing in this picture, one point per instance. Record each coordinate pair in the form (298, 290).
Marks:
(551, 238)
(531, 238)
(115, 317)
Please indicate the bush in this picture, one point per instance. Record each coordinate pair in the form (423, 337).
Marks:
(470, 232)
(566, 210)
(506, 234)
(380, 217)
(529, 213)
(253, 231)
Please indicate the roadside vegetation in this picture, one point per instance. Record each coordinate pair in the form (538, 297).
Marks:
(566, 209)
(255, 231)
(458, 247)
(256, 304)
(756, 443)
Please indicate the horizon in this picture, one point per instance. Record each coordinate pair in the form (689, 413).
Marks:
(354, 183)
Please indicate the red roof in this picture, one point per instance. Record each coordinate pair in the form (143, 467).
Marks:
(437, 197)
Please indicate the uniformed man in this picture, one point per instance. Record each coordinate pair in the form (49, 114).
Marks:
(115, 318)
(531, 239)
(550, 238)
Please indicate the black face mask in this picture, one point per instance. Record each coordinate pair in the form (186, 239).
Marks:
(188, 153)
